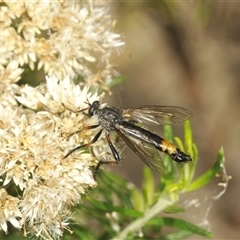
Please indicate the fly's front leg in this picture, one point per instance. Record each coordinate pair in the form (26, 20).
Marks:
(115, 155)
(84, 128)
(86, 144)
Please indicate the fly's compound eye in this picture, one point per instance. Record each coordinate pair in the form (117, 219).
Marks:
(93, 108)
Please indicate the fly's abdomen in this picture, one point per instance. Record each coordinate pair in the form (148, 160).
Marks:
(161, 144)
(175, 153)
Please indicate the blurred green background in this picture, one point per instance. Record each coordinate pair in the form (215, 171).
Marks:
(187, 54)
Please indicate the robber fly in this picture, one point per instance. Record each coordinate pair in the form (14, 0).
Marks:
(126, 123)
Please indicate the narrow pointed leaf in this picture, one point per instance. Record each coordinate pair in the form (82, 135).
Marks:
(209, 174)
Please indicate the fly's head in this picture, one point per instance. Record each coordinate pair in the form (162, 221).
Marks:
(94, 108)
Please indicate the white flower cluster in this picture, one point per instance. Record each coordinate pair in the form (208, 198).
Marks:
(31, 156)
(64, 38)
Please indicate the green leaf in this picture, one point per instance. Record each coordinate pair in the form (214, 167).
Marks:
(179, 143)
(180, 224)
(80, 233)
(188, 139)
(209, 174)
(116, 81)
(182, 234)
(174, 209)
(168, 132)
(137, 200)
(148, 186)
(110, 208)
(168, 135)
(15, 237)
(113, 184)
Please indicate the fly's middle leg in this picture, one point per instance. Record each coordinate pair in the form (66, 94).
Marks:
(114, 153)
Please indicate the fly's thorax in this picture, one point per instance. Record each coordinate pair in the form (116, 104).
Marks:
(108, 117)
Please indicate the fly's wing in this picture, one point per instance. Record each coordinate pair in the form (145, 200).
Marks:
(147, 153)
(157, 114)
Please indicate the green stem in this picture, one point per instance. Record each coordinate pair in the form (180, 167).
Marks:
(166, 199)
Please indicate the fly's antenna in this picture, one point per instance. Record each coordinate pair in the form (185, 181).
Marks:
(88, 103)
(76, 111)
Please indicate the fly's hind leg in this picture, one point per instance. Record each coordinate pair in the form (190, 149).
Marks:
(95, 171)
